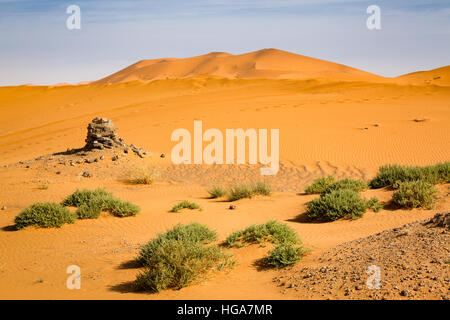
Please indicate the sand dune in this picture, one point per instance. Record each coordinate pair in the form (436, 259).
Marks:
(266, 63)
(439, 76)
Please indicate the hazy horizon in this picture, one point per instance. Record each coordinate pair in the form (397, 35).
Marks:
(36, 46)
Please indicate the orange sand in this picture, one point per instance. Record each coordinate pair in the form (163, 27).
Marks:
(326, 114)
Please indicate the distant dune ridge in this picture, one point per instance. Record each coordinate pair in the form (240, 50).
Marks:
(261, 64)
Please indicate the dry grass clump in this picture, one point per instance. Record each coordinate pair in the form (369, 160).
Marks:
(142, 175)
(241, 191)
(217, 192)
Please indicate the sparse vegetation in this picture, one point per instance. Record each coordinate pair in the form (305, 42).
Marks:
(374, 204)
(393, 175)
(179, 257)
(341, 203)
(217, 192)
(284, 254)
(177, 263)
(241, 191)
(193, 232)
(91, 203)
(44, 215)
(329, 184)
(185, 205)
(415, 194)
(272, 231)
(142, 175)
(262, 189)
(350, 184)
(319, 185)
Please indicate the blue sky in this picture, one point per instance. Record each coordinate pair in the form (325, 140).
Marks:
(36, 46)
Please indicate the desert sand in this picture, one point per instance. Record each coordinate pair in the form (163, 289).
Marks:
(333, 120)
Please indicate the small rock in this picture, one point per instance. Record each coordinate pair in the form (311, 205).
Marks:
(162, 155)
(405, 293)
(86, 174)
(232, 207)
(115, 158)
(4, 208)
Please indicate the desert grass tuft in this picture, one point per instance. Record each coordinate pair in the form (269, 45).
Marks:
(272, 231)
(241, 191)
(42, 186)
(392, 175)
(142, 175)
(217, 192)
(185, 205)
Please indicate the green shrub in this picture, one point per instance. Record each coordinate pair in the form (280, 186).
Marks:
(319, 185)
(84, 196)
(88, 211)
(415, 194)
(351, 184)
(217, 192)
(392, 175)
(193, 232)
(44, 215)
(337, 204)
(262, 188)
(185, 205)
(177, 263)
(121, 208)
(374, 204)
(284, 254)
(178, 257)
(240, 191)
(272, 231)
(91, 203)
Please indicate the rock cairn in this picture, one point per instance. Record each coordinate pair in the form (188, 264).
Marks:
(102, 134)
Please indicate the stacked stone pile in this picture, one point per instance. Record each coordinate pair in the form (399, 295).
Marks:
(102, 134)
